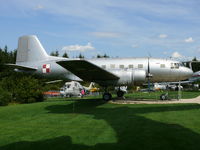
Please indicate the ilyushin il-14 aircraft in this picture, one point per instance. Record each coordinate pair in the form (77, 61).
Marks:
(32, 58)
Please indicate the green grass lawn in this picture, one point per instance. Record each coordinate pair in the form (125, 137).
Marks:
(96, 125)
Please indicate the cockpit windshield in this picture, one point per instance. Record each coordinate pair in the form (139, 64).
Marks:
(176, 65)
(181, 64)
(68, 85)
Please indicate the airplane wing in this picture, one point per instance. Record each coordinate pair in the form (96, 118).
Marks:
(21, 67)
(87, 71)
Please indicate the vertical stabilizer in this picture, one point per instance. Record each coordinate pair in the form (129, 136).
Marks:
(30, 49)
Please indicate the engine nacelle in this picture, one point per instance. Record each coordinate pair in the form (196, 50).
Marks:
(130, 76)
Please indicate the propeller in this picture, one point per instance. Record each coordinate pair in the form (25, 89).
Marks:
(149, 75)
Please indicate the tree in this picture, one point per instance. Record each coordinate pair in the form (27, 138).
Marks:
(98, 56)
(23, 88)
(6, 49)
(194, 59)
(65, 55)
(102, 56)
(80, 56)
(56, 53)
(105, 56)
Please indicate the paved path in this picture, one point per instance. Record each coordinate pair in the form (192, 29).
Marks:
(194, 100)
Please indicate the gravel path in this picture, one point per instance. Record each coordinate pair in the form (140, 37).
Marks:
(194, 100)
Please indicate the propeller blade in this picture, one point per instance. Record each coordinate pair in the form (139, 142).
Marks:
(148, 75)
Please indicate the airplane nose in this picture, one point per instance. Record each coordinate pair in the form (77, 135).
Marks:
(188, 73)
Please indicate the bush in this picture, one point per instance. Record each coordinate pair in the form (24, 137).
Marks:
(5, 97)
(24, 89)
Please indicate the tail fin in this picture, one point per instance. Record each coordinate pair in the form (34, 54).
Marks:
(30, 49)
(91, 85)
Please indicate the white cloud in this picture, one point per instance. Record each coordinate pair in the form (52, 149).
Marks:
(106, 34)
(189, 40)
(176, 55)
(81, 48)
(38, 7)
(135, 46)
(163, 36)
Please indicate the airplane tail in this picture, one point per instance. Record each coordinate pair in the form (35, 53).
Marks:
(91, 85)
(30, 49)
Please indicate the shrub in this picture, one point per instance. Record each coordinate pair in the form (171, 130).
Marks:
(5, 97)
(24, 89)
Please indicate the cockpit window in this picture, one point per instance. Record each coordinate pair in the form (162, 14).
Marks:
(68, 85)
(181, 64)
(175, 65)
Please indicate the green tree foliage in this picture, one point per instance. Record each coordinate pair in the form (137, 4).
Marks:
(5, 97)
(23, 88)
(102, 56)
(80, 56)
(6, 57)
(56, 53)
(195, 64)
(15, 86)
(65, 55)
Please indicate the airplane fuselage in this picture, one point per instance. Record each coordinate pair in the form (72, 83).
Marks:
(130, 70)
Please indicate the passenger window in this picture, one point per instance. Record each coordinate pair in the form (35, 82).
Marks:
(121, 66)
(162, 65)
(103, 66)
(130, 66)
(140, 65)
(112, 66)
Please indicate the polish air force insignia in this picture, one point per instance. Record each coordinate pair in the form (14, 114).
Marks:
(46, 68)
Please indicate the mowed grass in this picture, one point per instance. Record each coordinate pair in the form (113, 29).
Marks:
(96, 125)
(156, 95)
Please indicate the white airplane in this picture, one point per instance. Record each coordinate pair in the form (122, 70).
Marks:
(32, 58)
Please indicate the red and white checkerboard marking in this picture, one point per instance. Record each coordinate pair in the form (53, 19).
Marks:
(46, 68)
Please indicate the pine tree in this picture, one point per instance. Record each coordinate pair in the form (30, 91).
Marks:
(57, 53)
(65, 55)
(80, 56)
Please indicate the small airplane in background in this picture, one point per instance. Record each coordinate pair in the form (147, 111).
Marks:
(32, 58)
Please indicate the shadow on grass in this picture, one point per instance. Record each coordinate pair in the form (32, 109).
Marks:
(133, 131)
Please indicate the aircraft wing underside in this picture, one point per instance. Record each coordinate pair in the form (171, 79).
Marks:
(21, 67)
(87, 71)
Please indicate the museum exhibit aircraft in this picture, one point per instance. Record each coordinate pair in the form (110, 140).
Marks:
(74, 88)
(32, 58)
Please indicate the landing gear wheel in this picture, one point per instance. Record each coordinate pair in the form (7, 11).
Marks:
(163, 97)
(120, 93)
(107, 96)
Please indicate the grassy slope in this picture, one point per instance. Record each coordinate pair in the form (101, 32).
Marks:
(98, 125)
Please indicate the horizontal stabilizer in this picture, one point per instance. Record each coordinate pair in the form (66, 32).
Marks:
(87, 71)
(21, 67)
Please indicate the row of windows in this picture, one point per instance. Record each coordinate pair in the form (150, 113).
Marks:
(140, 66)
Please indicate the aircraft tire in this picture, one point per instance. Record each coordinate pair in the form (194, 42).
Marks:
(107, 96)
(163, 97)
(120, 94)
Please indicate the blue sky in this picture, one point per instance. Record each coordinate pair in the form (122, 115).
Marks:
(119, 28)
